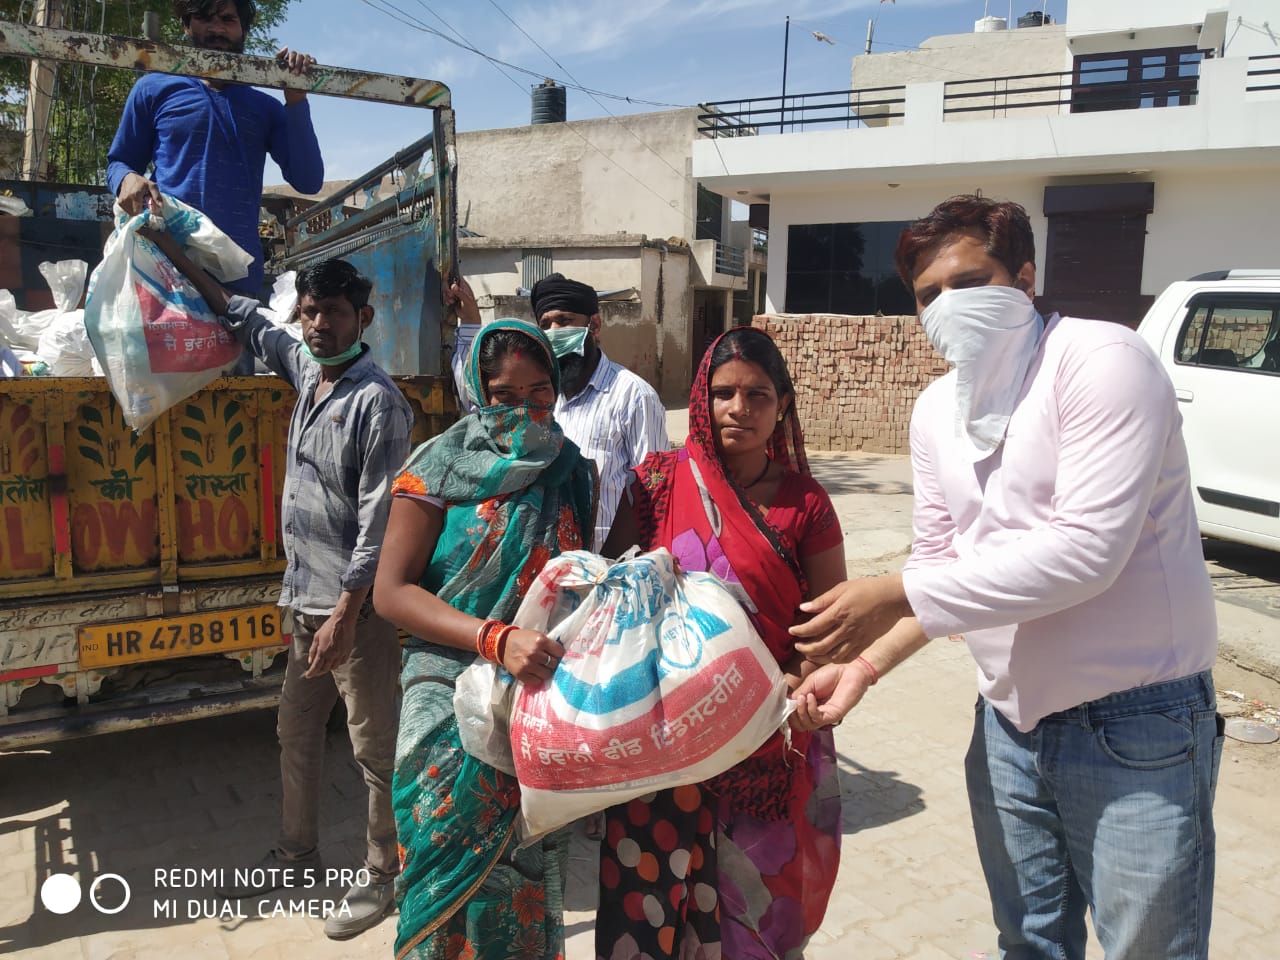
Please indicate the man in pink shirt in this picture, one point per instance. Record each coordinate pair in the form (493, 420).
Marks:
(1054, 529)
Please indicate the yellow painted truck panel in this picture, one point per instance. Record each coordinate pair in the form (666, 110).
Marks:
(122, 555)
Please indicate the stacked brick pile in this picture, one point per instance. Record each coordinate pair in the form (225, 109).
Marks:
(856, 378)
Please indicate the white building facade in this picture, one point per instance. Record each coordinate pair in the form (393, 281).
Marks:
(1143, 138)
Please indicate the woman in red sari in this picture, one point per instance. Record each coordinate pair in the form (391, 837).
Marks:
(742, 865)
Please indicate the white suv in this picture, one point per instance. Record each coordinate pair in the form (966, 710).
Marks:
(1218, 336)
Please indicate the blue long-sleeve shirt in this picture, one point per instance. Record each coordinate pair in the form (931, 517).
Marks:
(209, 147)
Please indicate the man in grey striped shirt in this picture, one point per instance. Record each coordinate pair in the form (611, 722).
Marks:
(613, 416)
(348, 437)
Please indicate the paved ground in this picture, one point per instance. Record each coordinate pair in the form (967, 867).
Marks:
(205, 795)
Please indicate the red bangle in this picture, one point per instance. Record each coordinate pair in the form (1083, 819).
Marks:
(501, 645)
(874, 673)
(485, 645)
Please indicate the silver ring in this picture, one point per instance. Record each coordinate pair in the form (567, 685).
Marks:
(548, 663)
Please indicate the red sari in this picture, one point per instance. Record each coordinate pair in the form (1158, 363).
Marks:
(743, 864)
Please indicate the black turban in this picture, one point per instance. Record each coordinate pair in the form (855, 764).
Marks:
(556, 292)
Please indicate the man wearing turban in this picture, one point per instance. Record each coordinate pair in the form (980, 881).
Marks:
(613, 415)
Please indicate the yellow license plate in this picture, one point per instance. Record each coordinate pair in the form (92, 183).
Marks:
(163, 638)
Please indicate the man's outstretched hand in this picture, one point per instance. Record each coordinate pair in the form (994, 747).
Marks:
(849, 617)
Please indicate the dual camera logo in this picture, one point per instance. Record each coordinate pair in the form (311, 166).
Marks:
(61, 893)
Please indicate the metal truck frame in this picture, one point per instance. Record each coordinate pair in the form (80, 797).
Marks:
(127, 573)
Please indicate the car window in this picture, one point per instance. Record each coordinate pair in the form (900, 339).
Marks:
(1233, 331)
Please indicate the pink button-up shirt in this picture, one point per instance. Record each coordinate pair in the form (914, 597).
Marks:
(1070, 558)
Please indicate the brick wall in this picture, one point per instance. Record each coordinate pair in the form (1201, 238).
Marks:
(856, 378)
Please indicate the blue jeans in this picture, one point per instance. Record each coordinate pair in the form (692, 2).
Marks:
(1107, 805)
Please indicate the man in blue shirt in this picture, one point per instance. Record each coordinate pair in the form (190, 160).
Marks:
(209, 139)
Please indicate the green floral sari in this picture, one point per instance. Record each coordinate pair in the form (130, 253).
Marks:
(517, 493)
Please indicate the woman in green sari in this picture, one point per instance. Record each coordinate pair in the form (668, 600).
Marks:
(476, 513)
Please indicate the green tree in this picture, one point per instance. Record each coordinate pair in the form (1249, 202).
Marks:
(88, 101)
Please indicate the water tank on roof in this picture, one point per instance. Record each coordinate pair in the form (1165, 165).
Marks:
(1034, 18)
(990, 24)
(548, 103)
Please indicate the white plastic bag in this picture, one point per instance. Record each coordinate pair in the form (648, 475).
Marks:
(663, 682)
(65, 346)
(284, 297)
(23, 330)
(482, 701)
(8, 313)
(155, 337)
(66, 282)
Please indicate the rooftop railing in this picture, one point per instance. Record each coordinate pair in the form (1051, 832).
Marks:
(1264, 76)
(801, 111)
(1086, 89)
(1083, 91)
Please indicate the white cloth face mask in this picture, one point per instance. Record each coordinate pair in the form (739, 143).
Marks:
(991, 334)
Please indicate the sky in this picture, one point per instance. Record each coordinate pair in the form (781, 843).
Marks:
(670, 52)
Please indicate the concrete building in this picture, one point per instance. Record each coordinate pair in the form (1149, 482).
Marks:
(1143, 137)
(646, 319)
(611, 203)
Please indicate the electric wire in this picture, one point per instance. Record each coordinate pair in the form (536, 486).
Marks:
(410, 20)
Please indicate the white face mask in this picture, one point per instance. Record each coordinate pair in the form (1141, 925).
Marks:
(990, 334)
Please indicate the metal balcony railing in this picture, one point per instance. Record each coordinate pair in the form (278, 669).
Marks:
(1081, 91)
(731, 261)
(1268, 67)
(801, 111)
(1088, 88)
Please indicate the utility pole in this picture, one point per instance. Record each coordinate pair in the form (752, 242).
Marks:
(786, 47)
(35, 137)
(871, 27)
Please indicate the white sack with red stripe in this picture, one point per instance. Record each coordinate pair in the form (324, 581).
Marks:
(663, 682)
(156, 339)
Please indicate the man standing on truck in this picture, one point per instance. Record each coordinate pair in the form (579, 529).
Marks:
(613, 416)
(348, 436)
(1055, 530)
(209, 140)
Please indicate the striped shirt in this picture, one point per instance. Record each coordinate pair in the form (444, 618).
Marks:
(617, 420)
(344, 452)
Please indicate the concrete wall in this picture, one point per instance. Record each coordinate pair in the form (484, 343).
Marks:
(961, 56)
(669, 294)
(649, 335)
(856, 378)
(1103, 26)
(627, 174)
(492, 264)
(1214, 219)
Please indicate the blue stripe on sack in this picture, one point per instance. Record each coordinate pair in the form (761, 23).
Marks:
(637, 683)
(641, 681)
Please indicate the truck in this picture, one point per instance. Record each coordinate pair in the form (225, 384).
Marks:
(139, 572)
